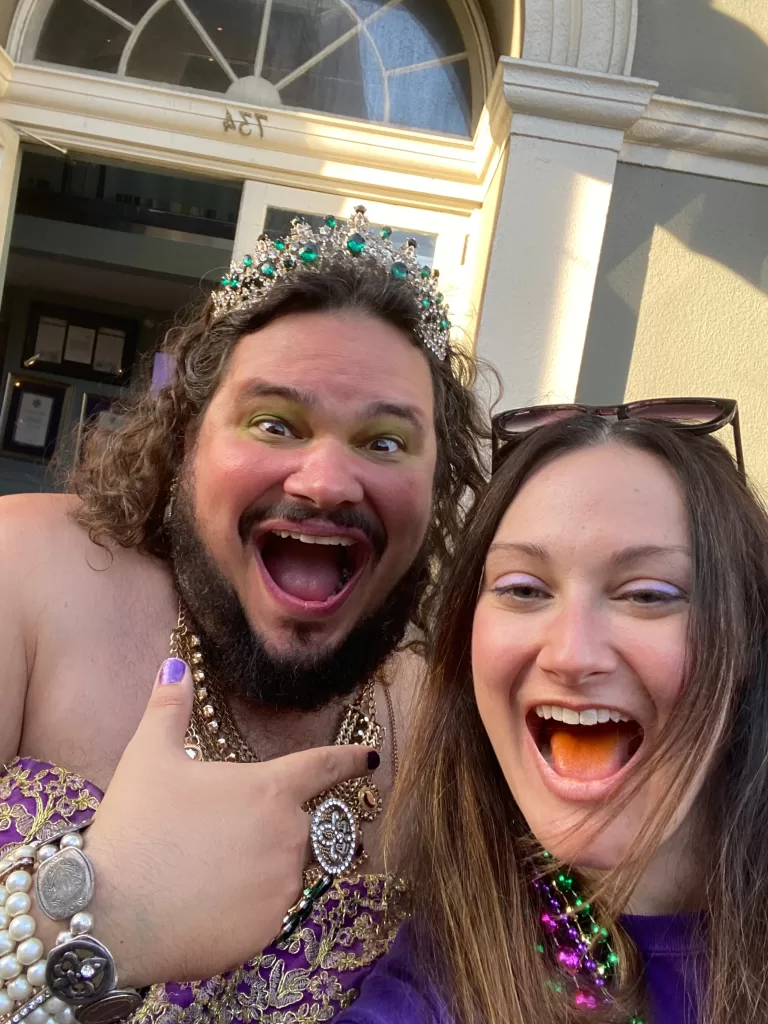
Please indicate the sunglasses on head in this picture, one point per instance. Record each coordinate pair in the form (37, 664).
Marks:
(696, 415)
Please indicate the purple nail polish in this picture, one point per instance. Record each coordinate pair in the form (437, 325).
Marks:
(172, 671)
(373, 760)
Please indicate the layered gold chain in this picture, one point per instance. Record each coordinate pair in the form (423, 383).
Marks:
(213, 735)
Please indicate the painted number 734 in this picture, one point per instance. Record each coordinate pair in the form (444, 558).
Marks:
(246, 123)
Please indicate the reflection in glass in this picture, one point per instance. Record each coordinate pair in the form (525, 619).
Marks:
(402, 62)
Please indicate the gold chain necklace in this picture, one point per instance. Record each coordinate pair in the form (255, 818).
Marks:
(213, 735)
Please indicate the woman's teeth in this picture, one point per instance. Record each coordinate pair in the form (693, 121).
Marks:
(590, 716)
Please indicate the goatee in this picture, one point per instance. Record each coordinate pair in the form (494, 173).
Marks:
(236, 655)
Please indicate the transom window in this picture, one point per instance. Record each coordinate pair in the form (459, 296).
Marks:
(400, 62)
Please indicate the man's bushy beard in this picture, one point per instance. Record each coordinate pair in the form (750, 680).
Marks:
(237, 657)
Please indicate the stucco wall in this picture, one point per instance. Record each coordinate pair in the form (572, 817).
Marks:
(7, 7)
(681, 302)
(714, 51)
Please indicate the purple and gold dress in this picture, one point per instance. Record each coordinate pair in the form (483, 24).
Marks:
(319, 974)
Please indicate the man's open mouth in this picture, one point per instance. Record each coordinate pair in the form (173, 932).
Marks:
(312, 567)
(588, 745)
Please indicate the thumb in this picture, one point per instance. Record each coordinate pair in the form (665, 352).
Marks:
(170, 705)
(311, 772)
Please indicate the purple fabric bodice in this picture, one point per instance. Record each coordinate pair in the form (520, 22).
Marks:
(317, 976)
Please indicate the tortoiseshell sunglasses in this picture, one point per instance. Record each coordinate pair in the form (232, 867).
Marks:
(697, 415)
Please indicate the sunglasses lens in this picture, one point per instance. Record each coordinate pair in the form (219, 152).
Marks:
(692, 414)
(520, 421)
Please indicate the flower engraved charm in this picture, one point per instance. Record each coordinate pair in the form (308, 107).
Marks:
(80, 971)
(333, 836)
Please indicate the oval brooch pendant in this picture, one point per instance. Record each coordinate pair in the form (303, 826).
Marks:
(333, 835)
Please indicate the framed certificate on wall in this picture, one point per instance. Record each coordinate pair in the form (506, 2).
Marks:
(79, 343)
(31, 418)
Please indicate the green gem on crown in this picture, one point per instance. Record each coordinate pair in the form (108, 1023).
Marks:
(279, 245)
(386, 233)
(267, 269)
(446, 325)
(308, 253)
(225, 282)
(331, 221)
(289, 262)
(248, 261)
(425, 272)
(426, 303)
(356, 244)
(399, 270)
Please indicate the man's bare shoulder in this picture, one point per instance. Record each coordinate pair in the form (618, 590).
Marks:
(36, 525)
(39, 530)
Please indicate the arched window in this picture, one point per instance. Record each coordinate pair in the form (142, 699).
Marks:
(413, 63)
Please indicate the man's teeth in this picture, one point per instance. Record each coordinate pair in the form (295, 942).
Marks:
(590, 716)
(310, 538)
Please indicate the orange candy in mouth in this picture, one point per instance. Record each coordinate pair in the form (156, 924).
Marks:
(589, 753)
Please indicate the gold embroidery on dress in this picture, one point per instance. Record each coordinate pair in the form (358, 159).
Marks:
(346, 916)
(355, 923)
(56, 792)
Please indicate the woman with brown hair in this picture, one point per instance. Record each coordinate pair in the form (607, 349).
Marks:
(583, 818)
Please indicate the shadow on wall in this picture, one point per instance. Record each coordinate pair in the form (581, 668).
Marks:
(724, 220)
(713, 51)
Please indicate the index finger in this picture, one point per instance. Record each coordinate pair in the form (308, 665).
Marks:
(309, 773)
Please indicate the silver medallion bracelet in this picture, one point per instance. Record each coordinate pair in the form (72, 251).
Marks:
(77, 980)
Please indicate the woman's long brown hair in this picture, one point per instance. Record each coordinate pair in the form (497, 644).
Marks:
(461, 841)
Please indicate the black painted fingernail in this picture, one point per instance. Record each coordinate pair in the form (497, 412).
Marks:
(373, 760)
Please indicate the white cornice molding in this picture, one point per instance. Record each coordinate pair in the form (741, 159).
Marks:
(571, 104)
(701, 139)
(595, 35)
(6, 71)
(138, 121)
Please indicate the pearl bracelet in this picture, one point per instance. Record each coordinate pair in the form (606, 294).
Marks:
(22, 958)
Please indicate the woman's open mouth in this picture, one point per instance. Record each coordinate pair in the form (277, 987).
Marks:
(309, 567)
(588, 745)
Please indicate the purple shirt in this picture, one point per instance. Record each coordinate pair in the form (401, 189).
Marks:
(672, 950)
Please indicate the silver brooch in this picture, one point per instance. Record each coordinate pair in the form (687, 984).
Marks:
(333, 835)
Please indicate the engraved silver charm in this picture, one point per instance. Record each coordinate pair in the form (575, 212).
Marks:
(64, 884)
(80, 971)
(333, 835)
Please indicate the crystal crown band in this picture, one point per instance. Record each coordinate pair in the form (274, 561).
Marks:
(303, 249)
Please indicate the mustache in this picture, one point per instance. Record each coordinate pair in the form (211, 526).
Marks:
(296, 512)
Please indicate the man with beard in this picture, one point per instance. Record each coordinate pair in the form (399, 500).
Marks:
(271, 518)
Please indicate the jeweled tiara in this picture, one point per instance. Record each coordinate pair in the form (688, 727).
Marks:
(303, 249)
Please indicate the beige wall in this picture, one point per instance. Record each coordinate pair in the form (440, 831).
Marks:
(714, 51)
(7, 7)
(681, 303)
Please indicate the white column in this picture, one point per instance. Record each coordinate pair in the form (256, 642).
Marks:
(10, 163)
(251, 217)
(566, 131)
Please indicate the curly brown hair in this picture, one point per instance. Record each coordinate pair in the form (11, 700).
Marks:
(124, 477)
